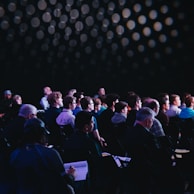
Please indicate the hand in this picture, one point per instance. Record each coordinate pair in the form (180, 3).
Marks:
(103, 142)
(71, 171)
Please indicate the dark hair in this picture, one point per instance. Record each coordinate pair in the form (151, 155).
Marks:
(110, 98)
(120, 105)
(132, 100)
(67, 100)
(35, 131)
(82, 118)
(85, 101)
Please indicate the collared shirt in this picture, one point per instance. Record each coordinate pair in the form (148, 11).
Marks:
(157, 129)
(173, 111)
(66, 117)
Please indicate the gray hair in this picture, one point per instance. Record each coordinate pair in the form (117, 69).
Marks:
(27, 109)
(144, 113)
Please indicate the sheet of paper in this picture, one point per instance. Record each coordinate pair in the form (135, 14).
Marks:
(81, 169)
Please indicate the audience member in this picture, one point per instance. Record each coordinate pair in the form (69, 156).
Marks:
(134, 104)
(183, 97)
(16, 104)
(150, 169)
(87, 104)
(71, 92)
(188, 110)
(43, 101)
(83, 146)
(118, 130)
(173, 113)
(186, 124)
(13, 132)
(12, 137)
(37, 168)
(175, 103)
(156, 129)
(5, 106)
(78, 96)
(98, 109)
(164, 106)
(101, 92)
(104, 119)
(66, 119)
(56, 105)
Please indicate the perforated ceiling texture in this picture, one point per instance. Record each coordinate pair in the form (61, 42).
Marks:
(146, 46)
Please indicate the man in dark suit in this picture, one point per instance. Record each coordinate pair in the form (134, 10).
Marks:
(151, 168)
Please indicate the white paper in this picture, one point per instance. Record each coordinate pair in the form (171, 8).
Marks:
(81, 169)
(119, 159)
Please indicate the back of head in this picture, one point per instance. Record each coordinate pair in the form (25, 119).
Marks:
(151, 103)
(7, 92)
(144, 113)
(26, 110)
(52, 98)
(120, 105)
(110, 98)
(189, 101)
(82, 118)
(35, 131)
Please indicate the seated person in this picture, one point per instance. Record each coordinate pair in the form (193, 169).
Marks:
(83, 146)
(38, 168)
(150, 167)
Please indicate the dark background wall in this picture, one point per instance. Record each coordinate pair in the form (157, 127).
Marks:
(145, 46)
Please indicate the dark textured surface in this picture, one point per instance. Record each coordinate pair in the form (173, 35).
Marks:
(87, 44)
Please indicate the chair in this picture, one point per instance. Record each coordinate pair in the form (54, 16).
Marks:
(173, 130)
(186, 133)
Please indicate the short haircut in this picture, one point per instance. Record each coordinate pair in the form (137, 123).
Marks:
(82, 118)
(120, 106)
(144, 113)
(52, 98)
(27, 109)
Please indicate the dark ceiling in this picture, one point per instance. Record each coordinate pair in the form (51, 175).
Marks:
(144, 46)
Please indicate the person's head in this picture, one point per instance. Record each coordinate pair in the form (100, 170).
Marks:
(7, 94)
(175, 100)
(184, 96)
(35, 131)
(134, 101)
(163, 95)
(153, 104)
(145, 117)
(189, 102)
(27, 111)
(71, 92)
(97, 104)
(87, 103)
(111, 99)
(55, 99)
(121, 107)
(101, 91)
(69, 102)
(47, 90)
(84, 121)
(164, 103)
(78, 96)
(17, 99)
